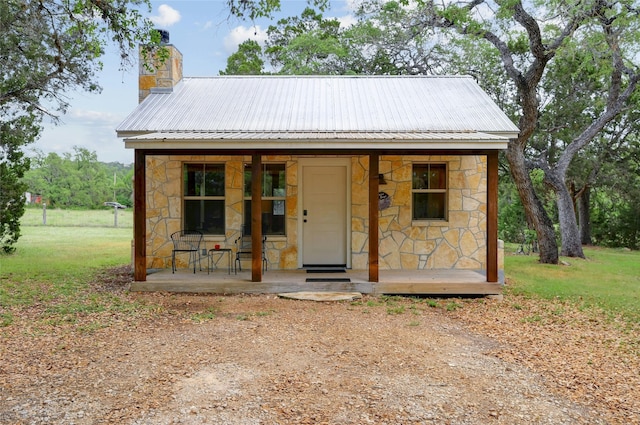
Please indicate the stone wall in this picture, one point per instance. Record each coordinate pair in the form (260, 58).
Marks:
(164, 209)
(158, 74)
(459, 242)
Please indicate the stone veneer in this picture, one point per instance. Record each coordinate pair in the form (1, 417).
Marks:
(458, 243)
(164, 75)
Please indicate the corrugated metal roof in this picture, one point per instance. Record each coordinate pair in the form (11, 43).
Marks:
(304, 107)
(317, 135)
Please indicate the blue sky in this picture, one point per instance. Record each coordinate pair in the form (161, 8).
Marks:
(205, 34)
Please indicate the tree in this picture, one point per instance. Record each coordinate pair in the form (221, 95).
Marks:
(47, 48)
(78, 180)
(527, 42)
(309, 44)
(615, 197)
(247, 60)
(386, 40)
(392, 39)
(13, 165)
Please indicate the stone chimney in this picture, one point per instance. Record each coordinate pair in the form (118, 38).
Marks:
(165, 75)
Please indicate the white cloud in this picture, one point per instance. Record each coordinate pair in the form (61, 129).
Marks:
(166, 17)
(240, 34)
(94, 117)
(203, 26)
(352, 5)
(87, 128)
(100, 139)
(347, 21)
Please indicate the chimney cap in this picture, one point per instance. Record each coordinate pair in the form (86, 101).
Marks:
(164, 36)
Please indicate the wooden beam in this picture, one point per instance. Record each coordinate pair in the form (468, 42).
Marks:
(374, 182)
(256, 218)
(492, 216)
(139, 217)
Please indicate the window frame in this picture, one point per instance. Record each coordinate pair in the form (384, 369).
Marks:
(202, 196)
(246, 196)
(428, 190)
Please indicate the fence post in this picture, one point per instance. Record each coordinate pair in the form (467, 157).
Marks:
(115, 216)
(44, 213)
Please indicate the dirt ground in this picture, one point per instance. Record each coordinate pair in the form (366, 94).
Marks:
(265, 360)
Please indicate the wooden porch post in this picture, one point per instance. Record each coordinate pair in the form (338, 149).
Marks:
(492, 216)
(374, 181)
(256, 218)
(139, 217)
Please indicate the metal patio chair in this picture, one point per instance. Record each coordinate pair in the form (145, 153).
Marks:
(244, 251)
(186, 241)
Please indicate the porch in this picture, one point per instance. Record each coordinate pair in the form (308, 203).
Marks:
(406, 282)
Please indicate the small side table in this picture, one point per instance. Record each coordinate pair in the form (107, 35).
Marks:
(221, 251)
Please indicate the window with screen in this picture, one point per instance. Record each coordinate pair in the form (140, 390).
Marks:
(273, 199)
(429, 192)
(203, 197)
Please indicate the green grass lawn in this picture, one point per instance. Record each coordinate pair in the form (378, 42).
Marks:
(608, 278)
(45, 252)
(53, 266)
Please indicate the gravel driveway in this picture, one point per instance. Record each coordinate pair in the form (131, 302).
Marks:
(267, 360)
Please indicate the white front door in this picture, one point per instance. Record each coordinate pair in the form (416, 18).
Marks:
(324, 214)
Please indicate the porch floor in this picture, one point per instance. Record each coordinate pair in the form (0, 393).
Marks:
(418, 282)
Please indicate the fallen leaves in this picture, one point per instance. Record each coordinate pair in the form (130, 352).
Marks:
(584, 354)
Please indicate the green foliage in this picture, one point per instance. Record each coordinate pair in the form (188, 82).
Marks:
(511, 217)
(309, 44)
(615, 220)
(78, 180)
(452, 306)
(383, 41)
(13, 164)
(253, 9)
(615, 198)
(393, 38)
(395, 309)
(247, 60)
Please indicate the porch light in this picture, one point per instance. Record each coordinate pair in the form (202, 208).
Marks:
(381, 179)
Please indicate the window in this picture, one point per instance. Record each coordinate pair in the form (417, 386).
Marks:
(273, 199)
(429, 192)
(204, 198)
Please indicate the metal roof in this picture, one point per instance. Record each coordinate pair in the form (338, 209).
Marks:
(358, 108)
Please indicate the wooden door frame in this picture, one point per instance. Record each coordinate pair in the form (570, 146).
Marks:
(327, 162)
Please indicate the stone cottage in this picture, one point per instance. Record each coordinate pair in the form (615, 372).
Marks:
(370, 173)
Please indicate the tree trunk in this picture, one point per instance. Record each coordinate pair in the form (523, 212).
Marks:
(536, 215)
(584, 216)
(571, 245)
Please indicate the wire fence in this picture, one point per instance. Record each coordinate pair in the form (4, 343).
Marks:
(106, 217)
